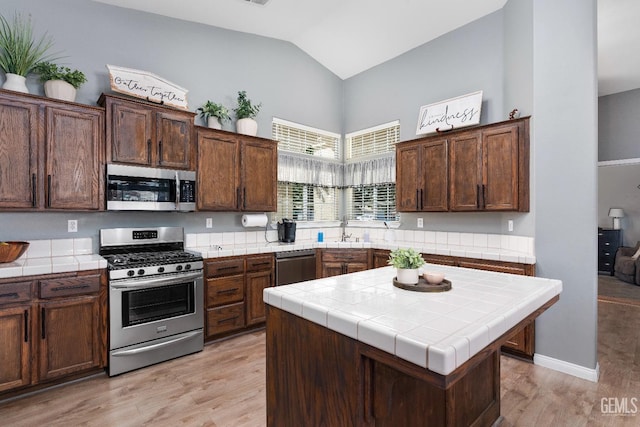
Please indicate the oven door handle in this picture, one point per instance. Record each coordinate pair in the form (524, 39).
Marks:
(156, 346)
(155, 282)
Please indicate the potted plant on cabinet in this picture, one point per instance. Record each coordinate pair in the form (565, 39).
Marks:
(19, 52)
(59, 82)
(214, 114)
(245, 113)
(407, 262)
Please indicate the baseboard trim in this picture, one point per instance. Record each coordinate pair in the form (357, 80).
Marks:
(567, 367)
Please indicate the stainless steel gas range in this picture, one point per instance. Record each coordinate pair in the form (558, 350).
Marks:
(155, 296)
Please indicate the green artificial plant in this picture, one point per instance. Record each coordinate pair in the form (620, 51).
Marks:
(405, 258)
(216, 110)
(50, 71)
(19, 52)
(245, 109)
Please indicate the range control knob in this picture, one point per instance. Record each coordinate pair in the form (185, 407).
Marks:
(140, 272)
(179, 268)
(131, 273)
(160, 269)
(187, 267)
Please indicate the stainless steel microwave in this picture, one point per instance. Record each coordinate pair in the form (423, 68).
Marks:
(136, 188)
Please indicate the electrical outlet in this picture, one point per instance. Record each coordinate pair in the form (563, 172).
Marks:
(510, 224)
(72, 226)
(209, 223)
(420, 222)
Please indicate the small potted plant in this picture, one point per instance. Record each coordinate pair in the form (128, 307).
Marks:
(407, 262)
(59, 82)
(214, 114)
(19, 52)
(245, 113)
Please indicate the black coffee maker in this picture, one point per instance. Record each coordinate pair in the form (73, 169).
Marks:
(287, 231)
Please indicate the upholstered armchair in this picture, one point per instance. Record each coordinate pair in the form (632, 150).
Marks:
(626, 268)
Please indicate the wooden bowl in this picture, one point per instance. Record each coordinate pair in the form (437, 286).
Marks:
(11, 251)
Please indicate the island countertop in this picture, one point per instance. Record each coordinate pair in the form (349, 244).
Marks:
(438, 331)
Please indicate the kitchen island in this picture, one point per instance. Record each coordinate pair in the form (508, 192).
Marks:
(355, 350)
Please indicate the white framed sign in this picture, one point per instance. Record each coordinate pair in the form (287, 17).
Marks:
(450, 114)
(146, 85)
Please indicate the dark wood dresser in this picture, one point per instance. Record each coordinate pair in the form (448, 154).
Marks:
(608, 243)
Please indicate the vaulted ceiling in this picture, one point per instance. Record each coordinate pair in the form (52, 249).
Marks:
(351, 36)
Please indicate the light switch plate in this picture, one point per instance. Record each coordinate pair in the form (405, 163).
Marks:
(72, 226)
(420, 222)
(209, 223)
(510, 224)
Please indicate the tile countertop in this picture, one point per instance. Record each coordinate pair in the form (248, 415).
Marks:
(437, 331)
(54, 256)
(488, 253)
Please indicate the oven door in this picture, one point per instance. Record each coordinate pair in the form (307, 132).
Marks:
(147, 309)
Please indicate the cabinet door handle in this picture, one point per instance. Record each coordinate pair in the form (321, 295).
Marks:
(149, 150)
(238, 198)
(228, 291)
(244, 198)
(484, 196)
(42, 322)
(160, 152)
(26, 326)
(417, 199)
(48, 191)
(33, 190)
(421, 200)
(227, 320)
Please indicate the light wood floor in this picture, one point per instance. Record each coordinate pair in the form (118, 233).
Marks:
(225, 386)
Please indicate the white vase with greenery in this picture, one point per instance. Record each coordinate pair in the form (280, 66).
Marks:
(407, 262)
(246, 113)
(214, 114)
(19, 52)
(59, 82)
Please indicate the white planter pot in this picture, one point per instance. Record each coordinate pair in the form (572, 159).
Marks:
(214, 122)
(59, 89)
(408, 276)
(247, 127)
(15, 83)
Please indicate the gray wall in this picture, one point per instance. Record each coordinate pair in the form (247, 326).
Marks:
(565, 152)
(618, 126)
(211, 63)
(618, 188)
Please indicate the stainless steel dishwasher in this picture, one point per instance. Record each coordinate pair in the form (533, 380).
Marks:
(295, 266)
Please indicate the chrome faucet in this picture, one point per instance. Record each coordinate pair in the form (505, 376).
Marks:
(345, 237)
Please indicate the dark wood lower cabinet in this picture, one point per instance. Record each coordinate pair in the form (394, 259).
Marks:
(52, 328)
(316, 376)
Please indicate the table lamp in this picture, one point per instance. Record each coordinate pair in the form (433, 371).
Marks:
(616, 214)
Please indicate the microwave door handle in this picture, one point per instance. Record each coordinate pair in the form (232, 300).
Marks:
(177, 191)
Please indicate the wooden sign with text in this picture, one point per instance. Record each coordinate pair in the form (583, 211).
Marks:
(450, 114)
(149, 86)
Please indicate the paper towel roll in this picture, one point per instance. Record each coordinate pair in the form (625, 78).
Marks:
(254, 220)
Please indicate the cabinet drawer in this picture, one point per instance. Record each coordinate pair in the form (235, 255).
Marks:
(15, 292)
(345, 255)
(224, 268)
(225, 290)
(69, 286)
(223, 319)
(259, 263)
(439, 259)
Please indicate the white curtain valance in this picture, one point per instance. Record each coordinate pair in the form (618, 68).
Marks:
(309, 170)
(380, 170)
(318, 171)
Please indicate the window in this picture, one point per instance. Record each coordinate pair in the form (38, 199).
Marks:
(370, 173)
(376, 140)
(304, 202)
(309, 172)
(302, 139)
(372, 203)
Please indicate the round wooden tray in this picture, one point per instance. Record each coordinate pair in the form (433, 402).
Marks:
(424, 286)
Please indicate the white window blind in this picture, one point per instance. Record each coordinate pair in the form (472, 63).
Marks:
(372, 203)
(376, 140)
(302, 139)
(304, 202)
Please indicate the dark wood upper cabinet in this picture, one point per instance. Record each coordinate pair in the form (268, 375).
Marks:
(145, 134)
(236, 172)
(51, 154)
(485, 168)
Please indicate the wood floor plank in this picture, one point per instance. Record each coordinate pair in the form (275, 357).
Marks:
(224, 386)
